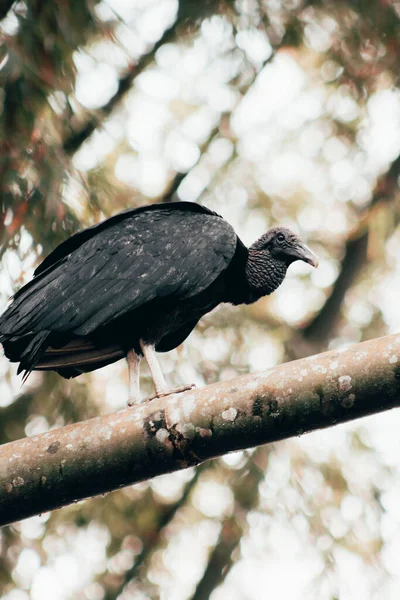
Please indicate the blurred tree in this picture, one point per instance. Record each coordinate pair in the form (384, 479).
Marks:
(267, 111)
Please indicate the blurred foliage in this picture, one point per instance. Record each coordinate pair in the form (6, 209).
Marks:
(111, 104)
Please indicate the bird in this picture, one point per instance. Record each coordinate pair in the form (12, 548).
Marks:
(136, 284)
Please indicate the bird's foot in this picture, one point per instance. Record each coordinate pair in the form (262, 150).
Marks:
(132, 401)
(177, 390)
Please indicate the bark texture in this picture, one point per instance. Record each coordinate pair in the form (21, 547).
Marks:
(51, 470)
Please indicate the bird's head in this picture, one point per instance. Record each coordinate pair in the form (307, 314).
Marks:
(284, 246)
(271, 255)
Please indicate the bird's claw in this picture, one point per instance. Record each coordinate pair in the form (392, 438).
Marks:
(132, 402)
(162, 394)
(177, 390)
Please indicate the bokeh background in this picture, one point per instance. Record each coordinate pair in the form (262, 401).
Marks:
(268, 111)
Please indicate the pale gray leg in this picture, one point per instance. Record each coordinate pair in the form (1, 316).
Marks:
(133, 368)
(155, 370)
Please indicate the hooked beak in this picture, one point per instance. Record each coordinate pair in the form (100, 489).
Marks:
(302, 252)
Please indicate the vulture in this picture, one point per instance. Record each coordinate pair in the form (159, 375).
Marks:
(138, 283)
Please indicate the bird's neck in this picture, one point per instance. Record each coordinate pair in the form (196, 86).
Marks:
(263, 273)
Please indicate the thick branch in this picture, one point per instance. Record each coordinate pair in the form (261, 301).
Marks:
(99, 455)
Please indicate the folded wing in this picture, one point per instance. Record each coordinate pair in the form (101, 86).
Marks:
(169, 252)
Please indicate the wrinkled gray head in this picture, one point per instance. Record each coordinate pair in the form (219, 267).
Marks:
(284, 246)
(270, 256)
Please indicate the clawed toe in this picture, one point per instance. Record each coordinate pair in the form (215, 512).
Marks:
(177, 390)
(162, 394)
(133, 402)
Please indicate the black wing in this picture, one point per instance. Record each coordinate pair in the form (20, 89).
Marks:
(76, 240)
(165, 251)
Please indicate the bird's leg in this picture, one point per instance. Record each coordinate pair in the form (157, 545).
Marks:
(133, 361)
(155, 370)
(157, 375)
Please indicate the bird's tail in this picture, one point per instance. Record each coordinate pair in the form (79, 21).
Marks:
(79, 355)
(26, 349)
(34, 352)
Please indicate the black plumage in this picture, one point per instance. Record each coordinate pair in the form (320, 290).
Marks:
(142, 278)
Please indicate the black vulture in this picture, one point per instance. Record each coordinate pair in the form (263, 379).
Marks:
(138, 283)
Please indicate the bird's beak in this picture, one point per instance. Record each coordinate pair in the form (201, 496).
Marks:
(302, 252)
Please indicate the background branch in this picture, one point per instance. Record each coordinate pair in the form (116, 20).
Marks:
(154, 539)
(245, 487)
(77, 138)
(355, 257)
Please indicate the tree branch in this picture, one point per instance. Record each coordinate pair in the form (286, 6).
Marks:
(168, 434)
(152, 541)
(354, 259)
(187, 15)
(77, 138)
(245, 487)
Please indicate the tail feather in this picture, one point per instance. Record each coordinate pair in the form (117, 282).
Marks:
(84, 358)
(26, 349)
(32, 352)
(68, 357)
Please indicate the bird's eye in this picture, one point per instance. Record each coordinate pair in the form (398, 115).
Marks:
(280, 237)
